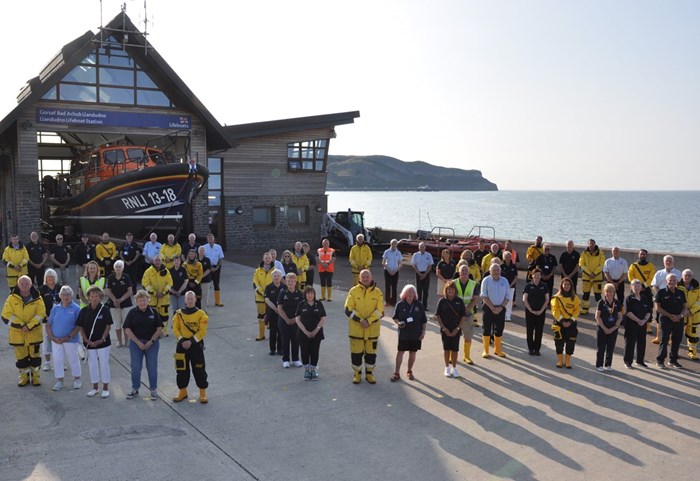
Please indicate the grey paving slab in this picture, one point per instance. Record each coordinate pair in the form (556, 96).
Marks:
(516, 418)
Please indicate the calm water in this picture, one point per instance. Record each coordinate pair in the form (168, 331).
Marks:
(657, 221)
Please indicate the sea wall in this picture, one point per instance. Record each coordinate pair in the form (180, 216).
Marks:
(682, 261)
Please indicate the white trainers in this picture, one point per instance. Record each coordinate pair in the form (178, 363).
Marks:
(105, 394)
(600, 369)
(47, 366)
(455, 372)
(448, 371)
(608, 368)
(77, 384)
(91, 393)
(285, 364)
(58, 386)
(298, 364)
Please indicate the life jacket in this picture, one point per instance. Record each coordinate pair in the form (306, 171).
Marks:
(325, 255)
(468, 293)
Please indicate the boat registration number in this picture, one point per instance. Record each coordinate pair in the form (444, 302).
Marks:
(148, 199)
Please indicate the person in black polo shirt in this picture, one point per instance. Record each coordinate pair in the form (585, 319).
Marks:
(536, 300)
(84, 253)
(310, 317)
(672, 308)
(637, 314)
(60, 256)
(450, 313)
(37, 259)
(130, 254)
(410, 318)
(547, 263)
(568, 264)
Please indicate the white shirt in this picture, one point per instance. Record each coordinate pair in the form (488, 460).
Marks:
(422, 262)
(659, 280)
(393, 259)
(616, 268)
(214, 253)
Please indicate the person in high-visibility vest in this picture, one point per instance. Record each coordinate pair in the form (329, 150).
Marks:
(326, 266)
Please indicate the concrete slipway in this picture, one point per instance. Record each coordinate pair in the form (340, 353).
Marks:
(517, 418)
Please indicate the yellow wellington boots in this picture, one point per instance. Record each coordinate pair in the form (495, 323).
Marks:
(217, 299)
(560, 360)
(487, 345)
(180, 396)
(568, 361)
(323, 293)
(36, 380)
(467, 352)
(23, 378)
(330, 294)
(261, 331)
(203, 396)
(497, 346)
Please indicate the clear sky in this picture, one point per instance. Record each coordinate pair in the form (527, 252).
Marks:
(556, 94)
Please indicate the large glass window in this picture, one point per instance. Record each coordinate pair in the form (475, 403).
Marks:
(78, 93)
(115, 74)
(262, 216)
(113, 95)
(307, 156)
(214, 164)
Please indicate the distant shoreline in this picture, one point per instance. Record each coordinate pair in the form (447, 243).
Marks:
(408, 190)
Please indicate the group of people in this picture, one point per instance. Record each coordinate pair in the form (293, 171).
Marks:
(487, 277)
(287, 305)
(485, 281)
(45, 310)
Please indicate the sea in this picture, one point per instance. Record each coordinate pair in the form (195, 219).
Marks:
(660, 221)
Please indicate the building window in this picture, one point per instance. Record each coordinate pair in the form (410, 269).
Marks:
(307, 156)
(111, 72)
(297, 215)
(214, 164)
(262, 216)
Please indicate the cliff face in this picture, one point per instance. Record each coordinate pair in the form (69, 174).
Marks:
(379, 172)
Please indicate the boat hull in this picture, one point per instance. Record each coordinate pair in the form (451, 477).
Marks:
(156, 199)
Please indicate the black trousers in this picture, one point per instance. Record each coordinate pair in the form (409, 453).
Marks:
(422, 289)
(574, 281)
(326, 279)
(310, 277)
(568, 339)
(635, 336)
(37, 275)
(673, 330)
(606, 347)
(289, 337)
(620, 292)
(390, 285)
(310, 349)
(493, 323)
(216, 278)
(194, 361)
(534, 326)
(274, 334)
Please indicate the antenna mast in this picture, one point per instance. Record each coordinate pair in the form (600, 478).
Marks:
(106, 32)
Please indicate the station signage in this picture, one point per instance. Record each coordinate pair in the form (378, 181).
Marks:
(106, 118)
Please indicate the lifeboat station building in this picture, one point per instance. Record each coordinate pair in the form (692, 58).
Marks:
(267, 180)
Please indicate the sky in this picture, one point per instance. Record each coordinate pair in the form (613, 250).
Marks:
(537, 95)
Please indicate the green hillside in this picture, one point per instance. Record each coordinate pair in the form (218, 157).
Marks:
(379, 172)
